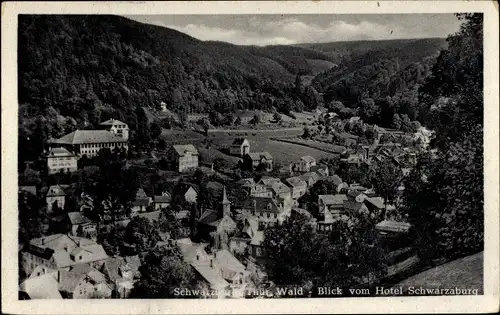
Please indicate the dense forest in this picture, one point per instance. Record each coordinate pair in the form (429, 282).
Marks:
(76, 71)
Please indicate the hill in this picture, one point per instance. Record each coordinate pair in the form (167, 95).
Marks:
(75, 71)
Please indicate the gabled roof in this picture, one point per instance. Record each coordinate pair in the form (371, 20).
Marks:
(78, 218)
(279, 188)
(213, 277)
(262, 204)
(378, 202)
(140, 194)
(296, 181)
(181, 150)
(308, 159)
(42, 287)
(269, 181)
(68, 280)
(88, 136)
(311, 175)
(257, 156)
(56, 190)
(332, 199)
(208, 217)
(226, 260)
(61, 245)
(111, 122)
(59, 152)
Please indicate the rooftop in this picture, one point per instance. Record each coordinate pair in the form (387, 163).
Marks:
(111, 122)
(59, 152)
(42, 287)
(332, 199)
(88, 136)
(181, 150)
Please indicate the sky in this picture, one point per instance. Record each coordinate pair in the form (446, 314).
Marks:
(278, 29)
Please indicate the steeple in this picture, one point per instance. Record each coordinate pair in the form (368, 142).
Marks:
(226, 204)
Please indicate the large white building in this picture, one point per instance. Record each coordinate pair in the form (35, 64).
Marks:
(90, 142)
(117, 127)
(185, 157)
(60, 159)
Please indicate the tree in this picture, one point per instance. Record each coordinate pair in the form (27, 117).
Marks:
(237, 122)
(386, 180)
(370, 111)
(141, 234)
(396, 122)
(291, 251)
(162, 272)
(206, 126)
(32, 217)
(277, 117)
(306, 133)
(155, 130)
(255, 120)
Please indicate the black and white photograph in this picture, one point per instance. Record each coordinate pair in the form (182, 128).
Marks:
(260, 156)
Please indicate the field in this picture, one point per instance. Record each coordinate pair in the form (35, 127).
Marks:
(286, 152)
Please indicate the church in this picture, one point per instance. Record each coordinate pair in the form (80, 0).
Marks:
(217, 225)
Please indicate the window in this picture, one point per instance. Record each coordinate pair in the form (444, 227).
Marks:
(275, 215)
(80, 257)
(268, 215)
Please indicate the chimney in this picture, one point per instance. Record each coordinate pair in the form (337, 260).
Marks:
(211, 263)
(197, 257)
(58, 276)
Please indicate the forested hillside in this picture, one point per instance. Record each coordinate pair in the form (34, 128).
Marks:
(388, 72)
(76, 71)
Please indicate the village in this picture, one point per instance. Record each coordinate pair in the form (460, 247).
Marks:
(214, 195)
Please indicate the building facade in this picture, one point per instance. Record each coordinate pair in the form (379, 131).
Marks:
(61, 160)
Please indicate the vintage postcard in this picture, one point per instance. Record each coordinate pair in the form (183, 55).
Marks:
(250, 157)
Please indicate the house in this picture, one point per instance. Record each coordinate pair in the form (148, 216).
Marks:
(61, 160)
(249, 186)
(330, 208)
(335, 179)
(60, 252)
(185, 157)
(266, 209)
(83, 282)
(80, 225)
(310, 178)
(90, 142)
(321, 170)
(239, 147)
(40, 287)
(117, 127)
(163, 201)
(256, 250)
(187, 191)
(216, 226)
(55, 198)
(262, 160)
(239, 242)
(203, 264)
(281, 191)
(298, 186)
(233, 271)
(269, 181)
(141, 202)
(123, 273)
(304, 164)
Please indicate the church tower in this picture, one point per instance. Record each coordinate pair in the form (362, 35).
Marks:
(226, 204)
